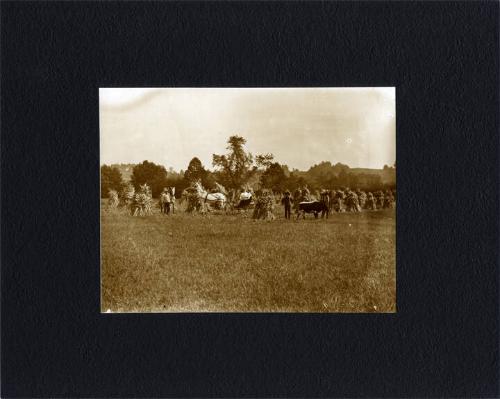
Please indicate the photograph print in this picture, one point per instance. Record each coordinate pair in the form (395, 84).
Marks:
(248, 200)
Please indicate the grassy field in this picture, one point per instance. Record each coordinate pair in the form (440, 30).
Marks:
(231, 263)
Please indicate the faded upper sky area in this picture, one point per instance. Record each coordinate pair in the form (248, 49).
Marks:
(300, 126)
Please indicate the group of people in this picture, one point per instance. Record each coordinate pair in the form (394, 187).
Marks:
(341, 200)
(338, 200)
(167, 200)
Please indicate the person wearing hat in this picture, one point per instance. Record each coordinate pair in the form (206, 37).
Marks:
(287, 202)
(165, 197)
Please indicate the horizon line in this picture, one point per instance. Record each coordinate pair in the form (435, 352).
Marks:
(281, 164)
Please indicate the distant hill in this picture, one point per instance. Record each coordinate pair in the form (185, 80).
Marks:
(326, 174)
(366, 171)
(388, 175)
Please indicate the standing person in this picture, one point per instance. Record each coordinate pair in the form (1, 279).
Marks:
(306, 195)
(326, 200)
(287, 202)
(166, 197)
(163, 201)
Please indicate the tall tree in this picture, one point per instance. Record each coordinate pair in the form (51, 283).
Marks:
(154, 175)
(274, 178)
(208, 180)
(111, 179)
(321, 175)
(237, 166)
(264, 160)
(295, 181)
(195, 171)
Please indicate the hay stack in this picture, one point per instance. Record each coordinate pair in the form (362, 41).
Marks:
(192, 199)
(362, 198)
(352, 202)
(113, 200)
(371, 202)
(194, 202)
(379, 197)
(264, 207)
(143, 201)
(339, 201)
(389, 201)
(128, 195)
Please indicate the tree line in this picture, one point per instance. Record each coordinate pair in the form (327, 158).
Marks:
(239, 168)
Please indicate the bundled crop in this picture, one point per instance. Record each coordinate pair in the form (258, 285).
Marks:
(339, 197)
(389, 201)
(113, 199)
(371, 202)
(264, 207)
(142, 204)
(362, 198)
(128, 194)
(194, 202)
(352, 202)
(379, 197)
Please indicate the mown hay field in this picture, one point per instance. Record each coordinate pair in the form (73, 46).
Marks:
(232, 263)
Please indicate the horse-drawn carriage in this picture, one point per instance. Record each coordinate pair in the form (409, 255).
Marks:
(246, 201)
(198, 199)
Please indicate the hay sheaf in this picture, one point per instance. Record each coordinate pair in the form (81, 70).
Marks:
(264, 207)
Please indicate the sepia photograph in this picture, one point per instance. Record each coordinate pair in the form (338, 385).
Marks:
(202, 199)
(248, 200)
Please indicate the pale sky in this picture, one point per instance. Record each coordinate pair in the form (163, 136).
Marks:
(300, 126)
